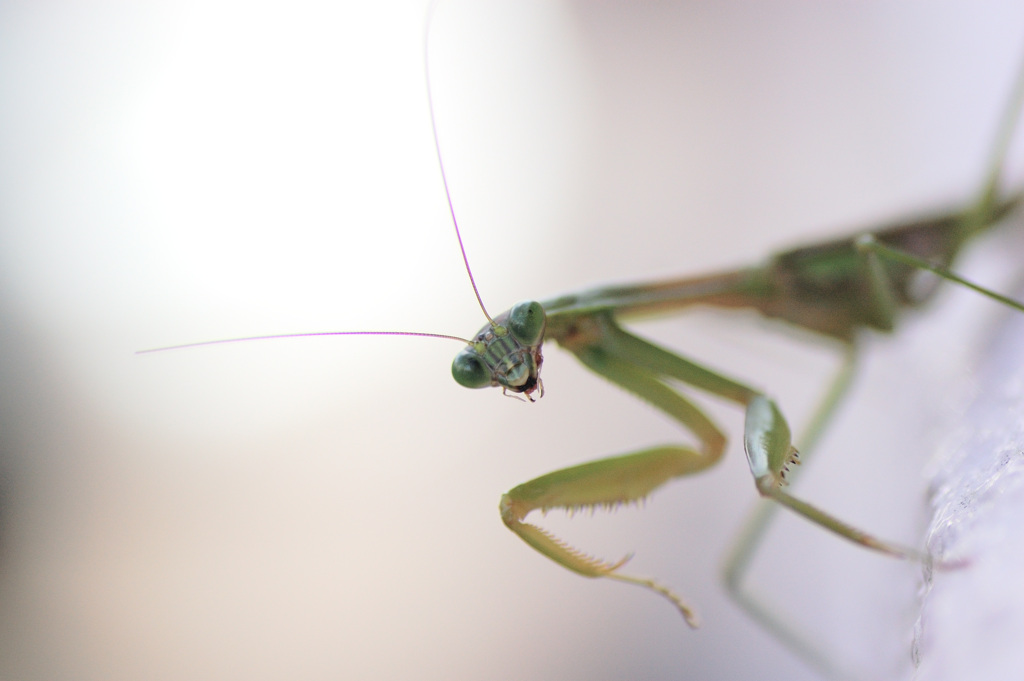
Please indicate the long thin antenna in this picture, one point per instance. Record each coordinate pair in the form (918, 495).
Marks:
(440, 161)
(301, 335)
(458, 235)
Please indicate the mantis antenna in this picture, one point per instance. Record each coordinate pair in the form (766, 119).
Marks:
(440, 160)
(455, 224)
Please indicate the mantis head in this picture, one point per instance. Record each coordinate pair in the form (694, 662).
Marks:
(506, 352)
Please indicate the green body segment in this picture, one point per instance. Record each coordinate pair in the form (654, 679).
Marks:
(826, 288)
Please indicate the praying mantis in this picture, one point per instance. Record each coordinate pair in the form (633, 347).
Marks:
(587, 326)
(835, 289)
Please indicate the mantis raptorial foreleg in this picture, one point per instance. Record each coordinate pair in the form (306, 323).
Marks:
(615, 480)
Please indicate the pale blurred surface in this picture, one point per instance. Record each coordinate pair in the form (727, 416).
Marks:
(972, 618)
(326, 508)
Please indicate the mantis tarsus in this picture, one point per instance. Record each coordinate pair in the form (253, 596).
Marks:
(586, 328)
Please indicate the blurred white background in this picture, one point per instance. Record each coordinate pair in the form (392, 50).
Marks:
(326, 508)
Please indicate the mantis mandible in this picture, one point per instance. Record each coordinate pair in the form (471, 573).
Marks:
(834, 289)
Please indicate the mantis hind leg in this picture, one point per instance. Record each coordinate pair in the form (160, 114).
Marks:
(988, 196)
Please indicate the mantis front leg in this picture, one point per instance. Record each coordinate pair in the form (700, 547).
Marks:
(615, 480)
(645, 370)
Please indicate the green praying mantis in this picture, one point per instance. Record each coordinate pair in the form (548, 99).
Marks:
(835, 289)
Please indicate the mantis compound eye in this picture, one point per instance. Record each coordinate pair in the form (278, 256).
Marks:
(469, 371)
(526, 322)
